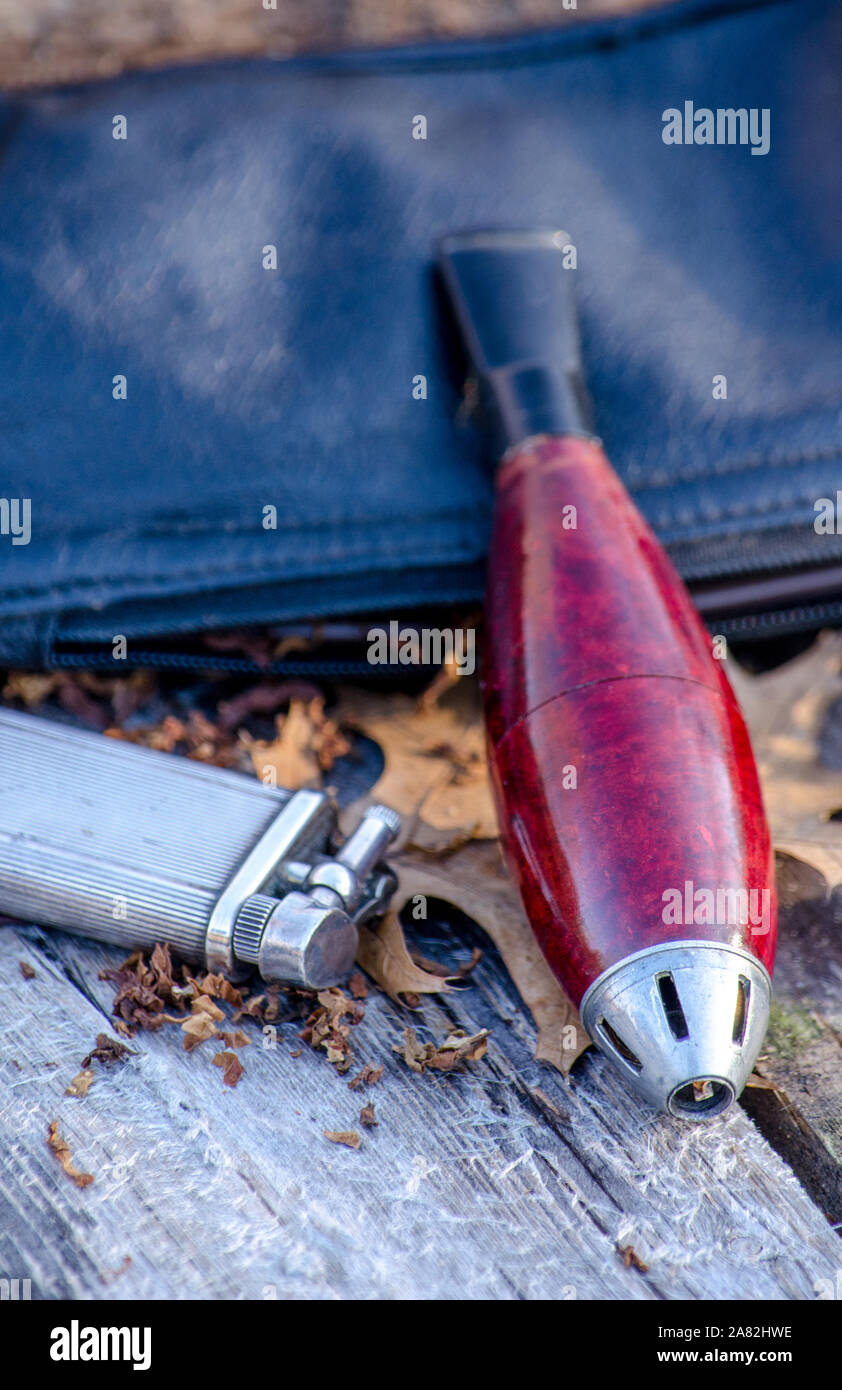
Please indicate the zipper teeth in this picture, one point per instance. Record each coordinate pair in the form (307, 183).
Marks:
(724, 558)
(184, 661)
(804, 618)
(760, 626)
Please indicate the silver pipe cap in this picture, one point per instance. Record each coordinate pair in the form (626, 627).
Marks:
(683, 1022)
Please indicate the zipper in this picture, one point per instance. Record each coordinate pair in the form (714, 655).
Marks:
(765, 606)
(746, 609)
(101, 659)
(329, 649)
(344, 642)
(782, 622)
(735, 627)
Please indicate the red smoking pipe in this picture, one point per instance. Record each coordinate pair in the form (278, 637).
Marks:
(624, 778)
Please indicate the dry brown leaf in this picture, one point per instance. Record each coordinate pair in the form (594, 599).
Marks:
(61, 1149)
(784, 710)
(73, 689)
(367, 1116)
(197, 738)
(273, 1002)
(307, 745)
(433, 967)
(348, 1137)
(73, 698)
(81, 1083)
(459, 1047)
(232, 1067)
(26, 970)
(447, 676)
(264, 698)
(435, 772)
(330, 742)
(383, 954)
(251, 642)
(131, 693)
(760, 1083)
(290, 761)
(236, 1039)
(160, 963)
(335, 1003)
(30, 687)
(475, 880)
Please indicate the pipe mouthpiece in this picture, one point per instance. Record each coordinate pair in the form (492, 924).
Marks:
(512, 295)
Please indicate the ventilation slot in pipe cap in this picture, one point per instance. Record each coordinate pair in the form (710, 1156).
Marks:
(618, 1045)
(741, 1010)
(672, 1007)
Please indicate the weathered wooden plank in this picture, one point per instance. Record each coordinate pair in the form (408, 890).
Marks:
(802, 1057)
(503, 1182)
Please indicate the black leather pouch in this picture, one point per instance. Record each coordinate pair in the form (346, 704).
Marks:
(225, 388)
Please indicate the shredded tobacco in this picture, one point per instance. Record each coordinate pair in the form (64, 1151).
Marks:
(358, 986)
(468, 966)
(81, 1084)
(444, 972)
(456, 1049)
(107, 1276)
(349, 1137)
(148, 991)
(216, 987)
(145, 990)
(61, 1149)
(107, 1050)
(369, 1076)
(325, 1028)
(231, 1065)
(197, 1029)
(631, 1259)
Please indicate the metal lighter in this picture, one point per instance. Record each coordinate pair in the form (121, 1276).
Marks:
(133, 846)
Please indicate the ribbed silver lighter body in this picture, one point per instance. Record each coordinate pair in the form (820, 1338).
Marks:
(119, 843)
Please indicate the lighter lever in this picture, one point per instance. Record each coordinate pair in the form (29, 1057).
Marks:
(132, 847)
(625, 784)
